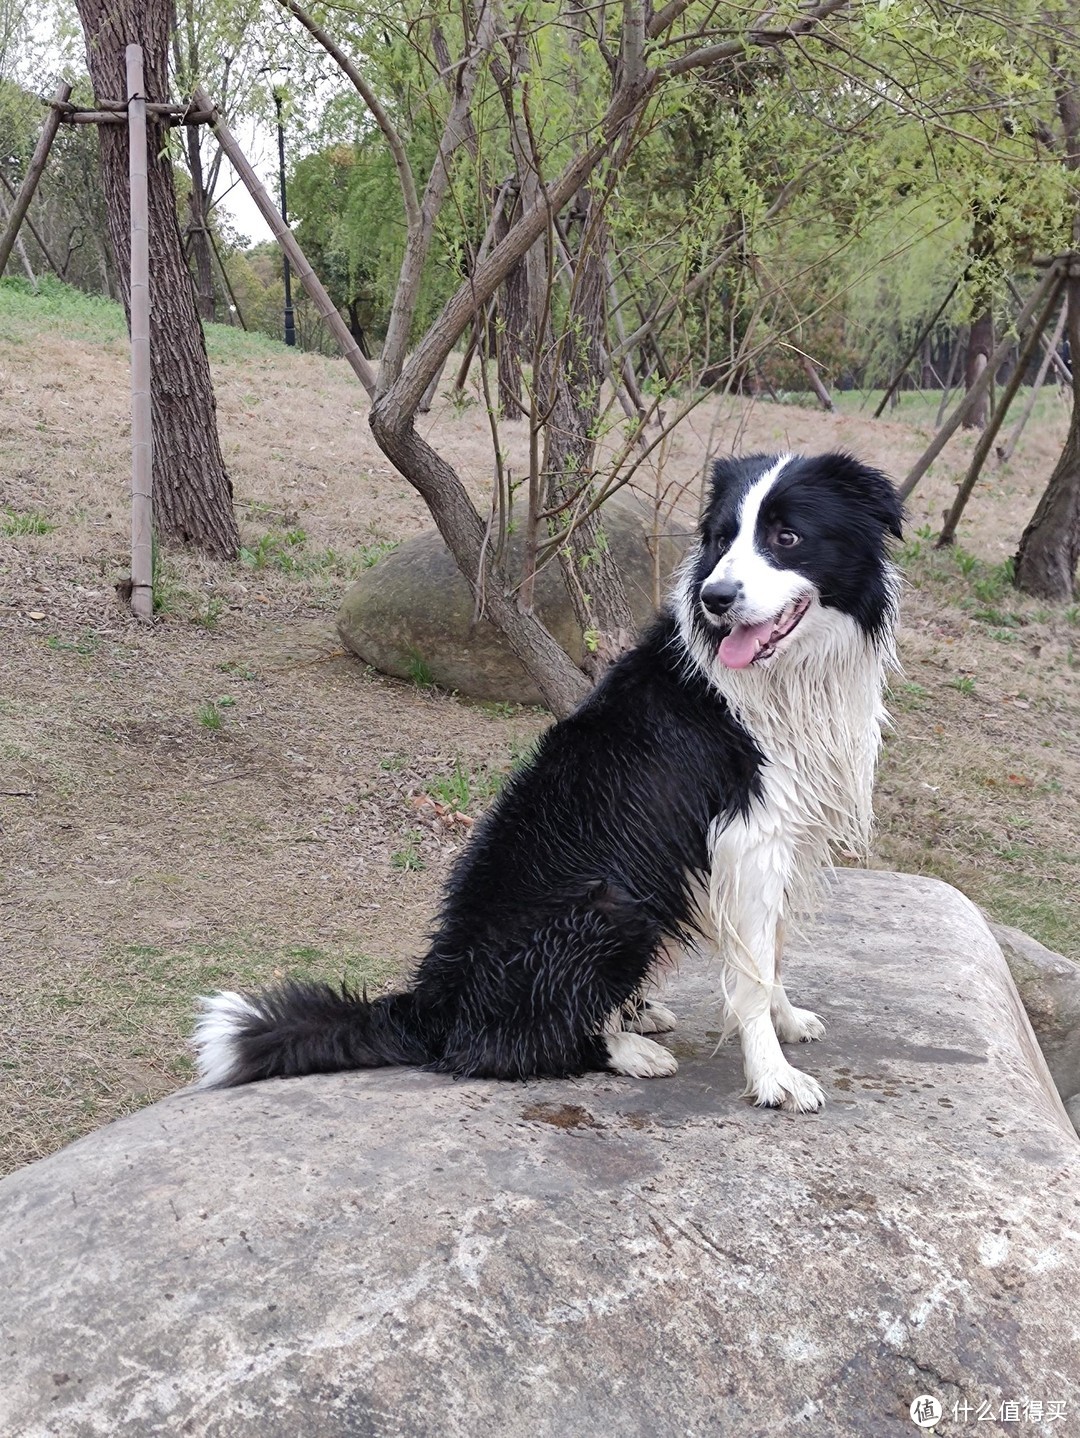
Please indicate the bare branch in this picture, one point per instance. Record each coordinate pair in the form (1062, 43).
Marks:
(402, 398)
(757, 34)
(633, 40)
(371, 100)
(665, 18)
(456, 132)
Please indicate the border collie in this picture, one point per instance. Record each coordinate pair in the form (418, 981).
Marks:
(693, 798)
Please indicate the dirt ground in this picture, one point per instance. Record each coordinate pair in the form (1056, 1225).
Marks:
(227, 797)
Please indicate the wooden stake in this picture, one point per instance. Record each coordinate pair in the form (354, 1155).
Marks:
(997, 417)
(287, 240)
(1004, 455)
(950, 379)
(225, 276)
(463, 371)
(1063, 370)
(27, 266)
(816, 383)
(142, 435)
(978, 389)
(33, 230)
(33, 175)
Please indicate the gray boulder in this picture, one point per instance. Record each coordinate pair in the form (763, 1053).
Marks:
(395, 1253)
(414, 605)
(1049, 985)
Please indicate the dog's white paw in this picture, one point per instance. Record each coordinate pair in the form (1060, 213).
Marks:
(652, 1018)
(781, 1086)
(798, 1026)
(639, 1057)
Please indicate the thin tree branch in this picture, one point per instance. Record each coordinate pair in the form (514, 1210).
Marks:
(455, 133)
(710, 55)
(371, 100)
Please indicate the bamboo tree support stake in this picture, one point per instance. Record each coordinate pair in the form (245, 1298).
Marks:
(33, 174)
(34, 231)
(978, 389)
(287, 240)
(1004, 455)
(825, 399)
(1063, 370)
(989, 434)
(225, 276)
(27, 266)
(142, 433)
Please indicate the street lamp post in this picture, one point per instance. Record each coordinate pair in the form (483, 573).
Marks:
(290, 329)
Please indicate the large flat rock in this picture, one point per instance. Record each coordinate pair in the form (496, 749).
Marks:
(396, 1253)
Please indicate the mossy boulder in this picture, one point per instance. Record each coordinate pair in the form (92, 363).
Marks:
(412, 613)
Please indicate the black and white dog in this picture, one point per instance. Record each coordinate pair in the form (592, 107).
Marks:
(693, 798)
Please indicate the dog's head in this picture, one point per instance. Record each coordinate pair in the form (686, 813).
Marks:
(791, 550)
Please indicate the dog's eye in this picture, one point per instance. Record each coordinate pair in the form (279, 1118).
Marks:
(786, 539)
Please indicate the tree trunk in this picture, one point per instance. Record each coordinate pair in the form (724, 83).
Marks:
(980, 348)
(573, 384)
(561, 683)
(192, 493)
(513, 334)
(1050, 547)
(199, 231)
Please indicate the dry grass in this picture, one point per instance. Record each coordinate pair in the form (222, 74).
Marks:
(228, 798)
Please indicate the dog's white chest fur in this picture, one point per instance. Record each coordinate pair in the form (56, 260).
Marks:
(817, 720)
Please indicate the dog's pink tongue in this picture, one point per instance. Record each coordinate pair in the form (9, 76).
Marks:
(739, 648)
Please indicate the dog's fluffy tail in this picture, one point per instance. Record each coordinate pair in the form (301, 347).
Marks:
(302, 1028)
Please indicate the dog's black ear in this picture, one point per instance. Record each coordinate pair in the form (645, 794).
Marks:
(875, 491)
(888, 504)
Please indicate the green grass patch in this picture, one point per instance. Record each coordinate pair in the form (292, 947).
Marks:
(420, 670)
(287, 552)
(57, 306)
(409, 858)
(16, 526)
(463, 789)
(209, 716)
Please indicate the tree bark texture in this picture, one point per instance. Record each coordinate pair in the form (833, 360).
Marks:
(573, 386)
(980, 348)
(199, 232)
(1050, 546)
(513, 330)
(560, 682)
(192, 492)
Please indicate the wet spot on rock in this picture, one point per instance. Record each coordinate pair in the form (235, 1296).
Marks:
(560, 1115)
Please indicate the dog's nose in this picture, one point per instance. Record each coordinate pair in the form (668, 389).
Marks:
(719, 596)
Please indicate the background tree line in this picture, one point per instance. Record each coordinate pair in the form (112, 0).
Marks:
(613, 209)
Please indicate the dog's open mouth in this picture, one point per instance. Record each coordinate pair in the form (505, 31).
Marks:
(750, 643)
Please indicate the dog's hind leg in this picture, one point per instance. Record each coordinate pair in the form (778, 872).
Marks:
(640, 1015)
(639, 1057)
(750, 870)
(793, 1025)
(552, 1007)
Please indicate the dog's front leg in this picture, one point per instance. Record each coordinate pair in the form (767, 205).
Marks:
(793, 1025)
(750, 873)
